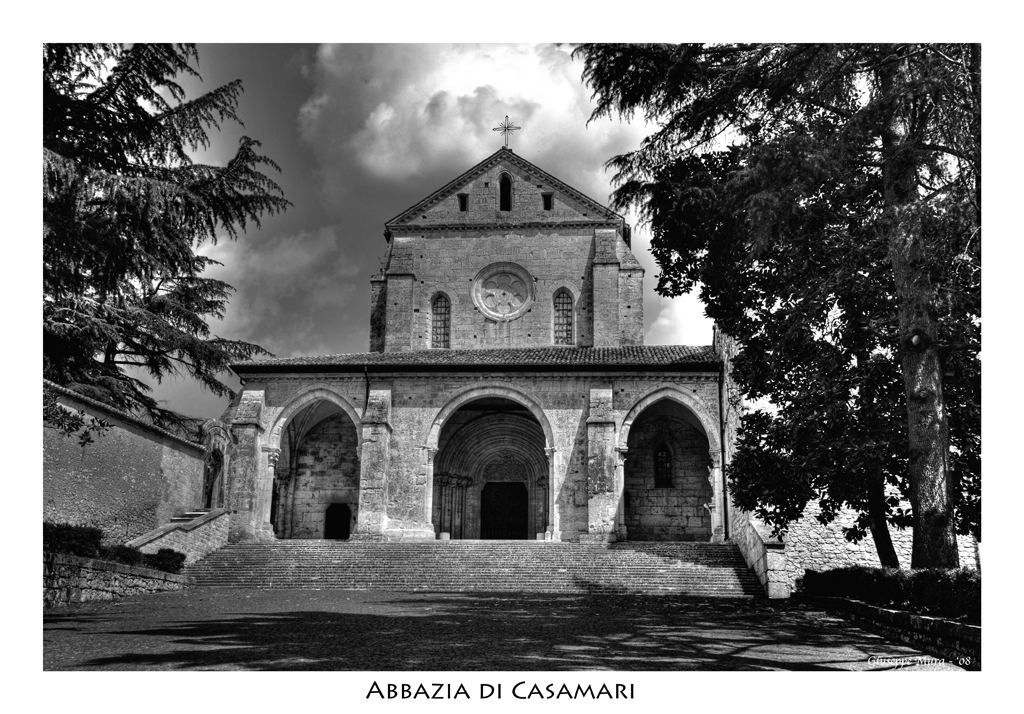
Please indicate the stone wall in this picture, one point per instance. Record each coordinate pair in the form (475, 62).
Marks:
(196, 538)
(327, 472)
(449, 264)
(813, 546)
(69, 579)
(132, 478)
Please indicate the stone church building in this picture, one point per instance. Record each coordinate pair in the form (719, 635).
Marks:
(506, 394)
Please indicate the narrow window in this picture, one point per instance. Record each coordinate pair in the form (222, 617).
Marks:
(441, 322)
(663, 467)
(563, 317)
(548, 200)
(506, 193)
(463, 202)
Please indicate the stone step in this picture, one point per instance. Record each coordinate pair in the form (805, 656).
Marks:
(698, 569)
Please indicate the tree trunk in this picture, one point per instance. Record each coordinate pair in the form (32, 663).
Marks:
(880, 526)
(932, 487)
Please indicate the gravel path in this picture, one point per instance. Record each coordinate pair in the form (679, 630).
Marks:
(220, 628)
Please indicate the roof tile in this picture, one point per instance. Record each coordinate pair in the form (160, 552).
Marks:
(560, 357)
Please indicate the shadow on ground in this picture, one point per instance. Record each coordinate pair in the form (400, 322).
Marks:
(212, 628)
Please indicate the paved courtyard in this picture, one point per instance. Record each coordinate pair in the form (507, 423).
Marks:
(227, 629)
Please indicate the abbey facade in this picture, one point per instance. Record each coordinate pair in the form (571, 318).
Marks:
(506, 394)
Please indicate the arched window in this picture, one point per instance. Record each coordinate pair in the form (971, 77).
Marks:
(663, 467)
(563, 317)
(440, 322)
(505, 188)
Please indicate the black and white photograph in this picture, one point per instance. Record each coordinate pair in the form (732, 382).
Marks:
(505, 372)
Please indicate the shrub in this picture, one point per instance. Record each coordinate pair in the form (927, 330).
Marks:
(166, 559)
(82, 541)
(122, 554)
(954, 593)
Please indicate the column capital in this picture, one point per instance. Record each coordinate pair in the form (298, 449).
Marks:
(273, 454)
(716, 458)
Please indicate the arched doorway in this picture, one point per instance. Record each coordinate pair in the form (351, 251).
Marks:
(317, 472)
(337, 521)
(490, 470)
(666, 476)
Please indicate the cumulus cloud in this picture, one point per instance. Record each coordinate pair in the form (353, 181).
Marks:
(294, 293)
(418, 115)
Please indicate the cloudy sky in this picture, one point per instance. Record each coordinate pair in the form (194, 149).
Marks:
(362, 132)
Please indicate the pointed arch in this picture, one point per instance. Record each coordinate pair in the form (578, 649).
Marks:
(303, 399)
(682, 396)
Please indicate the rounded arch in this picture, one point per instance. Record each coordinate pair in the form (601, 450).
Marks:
(674, 393)
(489, 389)
(303, 399)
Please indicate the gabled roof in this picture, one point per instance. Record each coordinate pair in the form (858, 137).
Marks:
(502, 155)
(534, 359)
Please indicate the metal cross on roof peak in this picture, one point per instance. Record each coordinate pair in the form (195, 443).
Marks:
(506, 129)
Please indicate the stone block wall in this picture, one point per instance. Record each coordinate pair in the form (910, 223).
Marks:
(327, 472)
(68, 579)
(132, 478)
(676, 512)
(813, 546)
(448, 264)
(765, 555)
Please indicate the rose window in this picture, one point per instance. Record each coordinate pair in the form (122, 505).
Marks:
(504, 294)
(503, 291)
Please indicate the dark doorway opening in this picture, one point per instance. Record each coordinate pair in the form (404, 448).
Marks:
(337, 521)
(504, 511)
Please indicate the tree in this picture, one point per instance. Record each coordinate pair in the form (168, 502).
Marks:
(837, 238)
(124, 208)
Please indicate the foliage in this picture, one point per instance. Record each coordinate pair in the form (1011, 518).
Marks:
(124, 209)
(941, 592)
(825, 200)
(122, 554)
(166, 559)
(69, 422)
(82, 541)
(86, 542)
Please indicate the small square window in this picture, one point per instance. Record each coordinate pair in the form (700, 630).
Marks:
(549, 200)
(463, 202)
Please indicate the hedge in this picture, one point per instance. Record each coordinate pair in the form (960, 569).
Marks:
(953, 593)
(85, 542)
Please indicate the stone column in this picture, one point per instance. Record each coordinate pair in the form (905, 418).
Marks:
(264, 494)
(542, 487)
(428, 489)
(464, 483)
(247, 468)
(602, 464)
(374, 459)
(717, 505)
(620, 493)
(553, 532)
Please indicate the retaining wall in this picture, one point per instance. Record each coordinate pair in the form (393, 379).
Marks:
(68, 579)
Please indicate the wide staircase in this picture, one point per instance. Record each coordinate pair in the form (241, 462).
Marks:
(691, 569)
